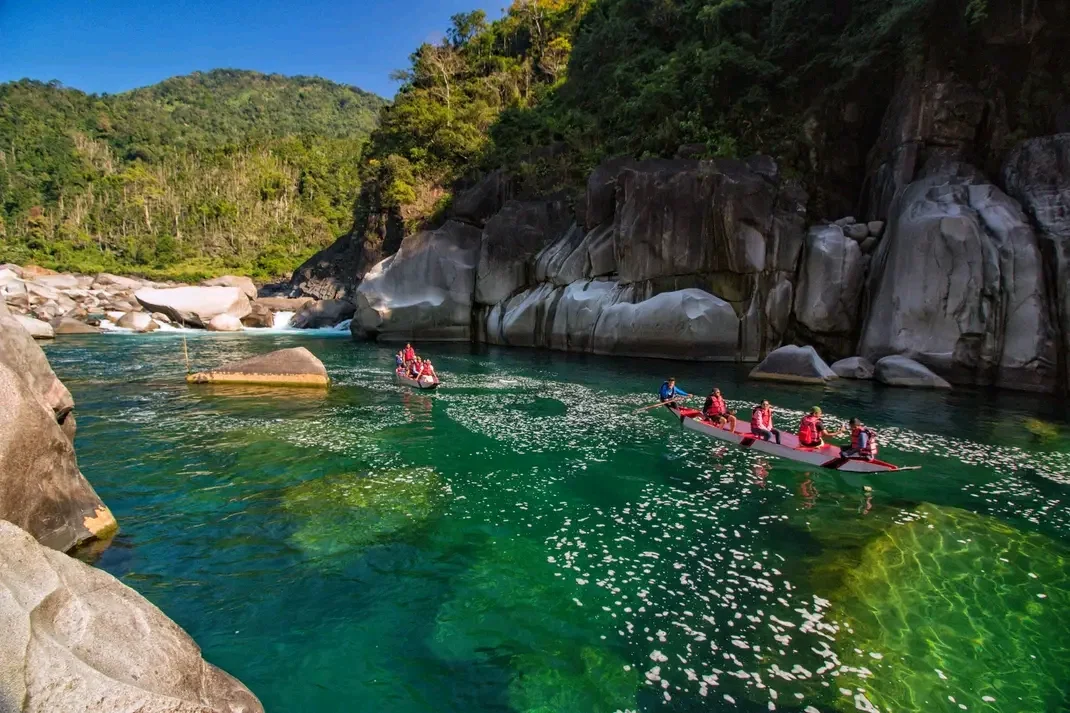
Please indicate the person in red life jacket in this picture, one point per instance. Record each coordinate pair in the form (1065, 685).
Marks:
(863, 442)
(730, 421)
(812, 430)
(429, 371)
(761, 423)
(715, 409)
(414, 368)
(408, 354)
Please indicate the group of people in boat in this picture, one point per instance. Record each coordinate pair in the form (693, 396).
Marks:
(410, 365)
(811, 434)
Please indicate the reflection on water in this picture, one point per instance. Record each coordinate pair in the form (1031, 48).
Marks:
(521, 540)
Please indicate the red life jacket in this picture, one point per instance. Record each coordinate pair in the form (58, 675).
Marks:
(760, 419)
(717, 407)
(410, 354)
(808, 430)
(870, 451)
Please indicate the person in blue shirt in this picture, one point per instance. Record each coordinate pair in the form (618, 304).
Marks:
(668, 391)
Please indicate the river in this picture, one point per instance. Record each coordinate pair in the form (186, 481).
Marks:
(521, 540)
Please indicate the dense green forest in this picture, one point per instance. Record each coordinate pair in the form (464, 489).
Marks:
(225, 171)
(555, 86)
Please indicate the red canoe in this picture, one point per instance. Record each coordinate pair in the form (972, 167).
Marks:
(828, 456)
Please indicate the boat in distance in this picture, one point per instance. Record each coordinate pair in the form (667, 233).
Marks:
(425, 383)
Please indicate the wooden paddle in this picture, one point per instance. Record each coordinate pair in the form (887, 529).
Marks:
(660, 403)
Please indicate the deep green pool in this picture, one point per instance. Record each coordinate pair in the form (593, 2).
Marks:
(521, 541)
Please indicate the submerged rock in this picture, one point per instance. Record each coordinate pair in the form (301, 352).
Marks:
(77, 640)
(801, 365)
(195, 306)
(854, 368)
(897, 370)
(284, 367)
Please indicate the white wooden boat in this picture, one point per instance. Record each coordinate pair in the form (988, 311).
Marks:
(828, 456)
(425, 383)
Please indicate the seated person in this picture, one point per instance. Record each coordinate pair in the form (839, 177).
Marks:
(729, 421)
(715, 410)
(812, 430)
(761, 423)
(863, 442)
(669, 392)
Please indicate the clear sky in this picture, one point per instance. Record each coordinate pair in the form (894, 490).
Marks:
(115, 45)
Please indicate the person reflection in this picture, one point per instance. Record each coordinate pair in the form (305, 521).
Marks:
(808, 491)
(761, 474)
(867, 500)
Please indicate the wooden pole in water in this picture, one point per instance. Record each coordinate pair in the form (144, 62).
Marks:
(185, 351)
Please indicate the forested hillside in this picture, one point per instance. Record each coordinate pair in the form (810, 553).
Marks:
(225, 171)
(555, 86)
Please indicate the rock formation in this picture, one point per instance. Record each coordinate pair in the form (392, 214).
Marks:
(41, 488)
(325, 313)
(897, 370)
(37, 328)
(801, 365)
(245, 284)
(77, 640)
(138, 321)
(195, 306)
(284, 367)
(853, 368)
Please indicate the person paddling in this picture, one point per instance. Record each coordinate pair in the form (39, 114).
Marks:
(715, 409)
(812, 430)
(863, 442)
(761, 423)
(670, 392)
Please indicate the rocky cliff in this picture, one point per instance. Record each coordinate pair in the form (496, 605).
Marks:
(958, 259)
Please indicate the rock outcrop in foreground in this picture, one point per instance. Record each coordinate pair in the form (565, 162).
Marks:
(284, 367)
(41, 488)
(77, 640)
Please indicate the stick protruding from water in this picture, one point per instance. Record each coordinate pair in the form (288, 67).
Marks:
(185, 352)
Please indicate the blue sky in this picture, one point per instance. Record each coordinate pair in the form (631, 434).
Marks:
(115, 45)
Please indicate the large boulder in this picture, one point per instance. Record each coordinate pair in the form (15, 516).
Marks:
(323, 313)
(284, 367)
(245, 284)
(424, 290)
(800, 365)
(1037, 173)
(68, 325)
(510, 240)
(18, 351)
(38, 329)
(78, 640)
(830, 282)
(138, 322)
(898, 370)
(683, 324)
(284, 304)
(522, 321)
(41, 488)
(259, 317)
(224, 323)
(477, 204)
(110, 282)
(195, 306)
(855, 367)
(958, 283)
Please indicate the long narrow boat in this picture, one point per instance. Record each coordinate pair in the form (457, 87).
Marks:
(828, 456)
(425, 383)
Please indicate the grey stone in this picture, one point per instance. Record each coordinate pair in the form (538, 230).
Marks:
(79, 641)
(477, 204)
(844, 222)
(245, 284)
(38, 329)
(869, 245)
(857, 232)
(875, 227)
(897, 370)
(830, 282)
(224, 323)
(66, 325)
(801, 365)
(323, 313)
(138, 321)
(194, 306)
(510, 240)
(855, 367)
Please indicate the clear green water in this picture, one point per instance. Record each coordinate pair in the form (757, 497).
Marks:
(521, 541)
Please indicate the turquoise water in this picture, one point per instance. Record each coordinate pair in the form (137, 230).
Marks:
(522, 541)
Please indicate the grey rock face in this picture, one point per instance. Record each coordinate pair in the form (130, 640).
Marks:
(956, 283)
(322, 313)
(1037, 173)
(897, 370)
(794, 364)
(510, 240)
(830, 282)
(424, 290)
(38, 329)
(477, 204)
(195, 306)
(77, 640)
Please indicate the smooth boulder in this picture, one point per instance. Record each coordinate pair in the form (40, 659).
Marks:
(225, 323)
(78, 640)
(855, 367)
(830, 281)
(259, 317)
(68, 325)
(38, 329)
(138, 322)
(683, 324)
(510, 240)
(284, 367)
(898, 370)
(424, 291)
(194, 306)
(801, 365)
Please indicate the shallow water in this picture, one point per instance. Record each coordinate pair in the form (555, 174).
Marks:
(520, 540)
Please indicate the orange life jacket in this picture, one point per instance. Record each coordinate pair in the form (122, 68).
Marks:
(808, 430)
(716, 406)
(870, 451)
(759, 418)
